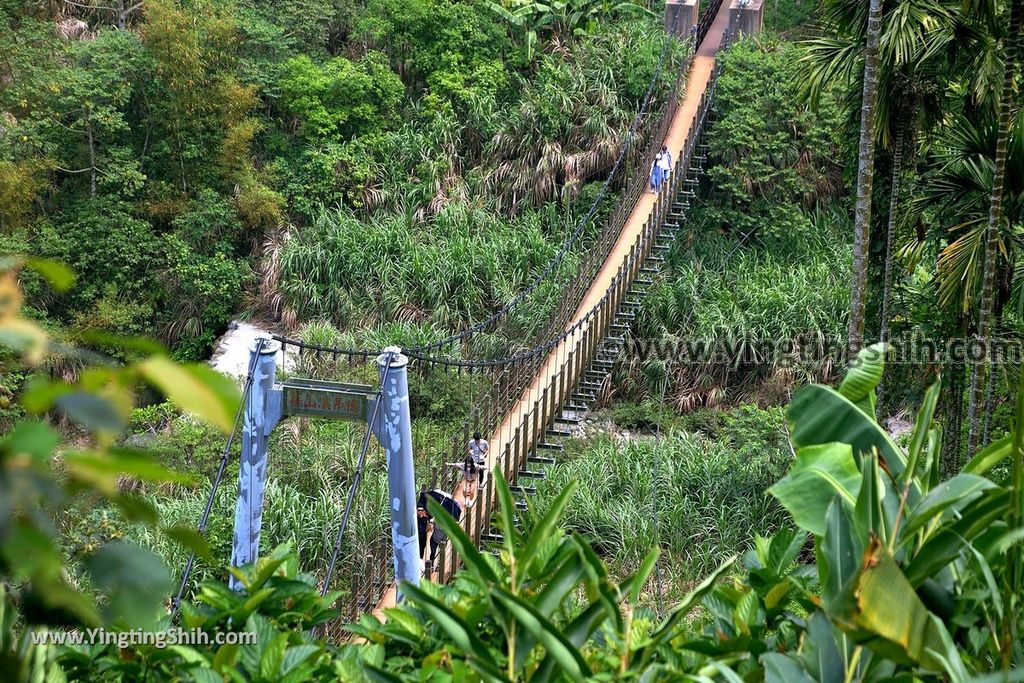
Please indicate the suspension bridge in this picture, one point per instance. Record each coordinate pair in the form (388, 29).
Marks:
(527, 387)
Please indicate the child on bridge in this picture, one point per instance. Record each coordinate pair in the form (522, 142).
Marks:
(469, 470)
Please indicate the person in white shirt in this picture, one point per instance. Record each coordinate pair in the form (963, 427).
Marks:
(477, 448)
(664, 163)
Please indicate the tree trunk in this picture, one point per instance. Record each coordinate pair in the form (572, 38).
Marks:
(989, 399)
(865, 176)
(995, 218)
(890, 233)
(952, 412)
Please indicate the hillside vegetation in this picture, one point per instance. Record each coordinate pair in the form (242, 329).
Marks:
(738, 503)
(195, 160)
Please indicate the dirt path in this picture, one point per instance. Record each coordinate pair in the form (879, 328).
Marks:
(696, 83)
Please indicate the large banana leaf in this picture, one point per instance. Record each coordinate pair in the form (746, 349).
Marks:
(890, 618)
(819, 475)
(821, 415)
(780, 668)
(990, 456)
(839, 555)
(919, 439)
(877, 507)
(863, 376)
(946, 542)
(949, 496)
(819, 652)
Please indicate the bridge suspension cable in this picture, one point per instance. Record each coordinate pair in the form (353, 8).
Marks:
(360, 464)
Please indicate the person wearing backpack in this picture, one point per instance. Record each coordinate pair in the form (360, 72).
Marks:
(427, 528)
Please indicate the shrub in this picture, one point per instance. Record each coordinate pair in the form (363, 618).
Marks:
(774, 155)
(339, 98)
(202, 292)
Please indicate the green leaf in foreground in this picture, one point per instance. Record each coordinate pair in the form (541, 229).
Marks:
(196, 389)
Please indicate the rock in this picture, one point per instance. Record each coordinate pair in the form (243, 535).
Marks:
(231, 352)
(140, 440)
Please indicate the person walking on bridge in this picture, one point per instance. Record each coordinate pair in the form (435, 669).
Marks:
(477, 448)
(426, 528)
(655, 176)
(664, 162)
(469, 470)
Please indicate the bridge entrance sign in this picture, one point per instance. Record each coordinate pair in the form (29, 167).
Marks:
(332, 400)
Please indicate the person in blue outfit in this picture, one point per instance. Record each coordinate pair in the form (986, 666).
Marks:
(655, 176)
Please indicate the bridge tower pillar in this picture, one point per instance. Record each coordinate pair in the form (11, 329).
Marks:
(394, 431)
(261, 413)
(680, 17)
(746, 16)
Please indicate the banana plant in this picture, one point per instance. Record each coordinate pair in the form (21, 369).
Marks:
(893, 543)
(553, 18)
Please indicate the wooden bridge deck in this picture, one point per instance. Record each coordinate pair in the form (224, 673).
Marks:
(698, 79)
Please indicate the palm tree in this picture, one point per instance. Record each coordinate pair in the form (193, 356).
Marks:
(995, 214)
(911, 45)
(865, 179)
(958, 188)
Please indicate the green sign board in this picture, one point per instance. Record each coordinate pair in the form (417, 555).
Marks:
(332, 400)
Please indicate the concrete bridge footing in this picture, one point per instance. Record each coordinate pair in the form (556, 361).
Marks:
(746, 16)
(680, 15)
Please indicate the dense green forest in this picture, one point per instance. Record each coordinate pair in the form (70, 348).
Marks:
(361, 173)
(192, 161)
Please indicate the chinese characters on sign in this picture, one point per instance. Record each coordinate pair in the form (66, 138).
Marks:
(330, 400)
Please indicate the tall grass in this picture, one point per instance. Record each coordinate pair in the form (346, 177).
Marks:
(311, 466)
(711, 493)
(720, 285)
(757, 297)
(412, 281)
(364, 273)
